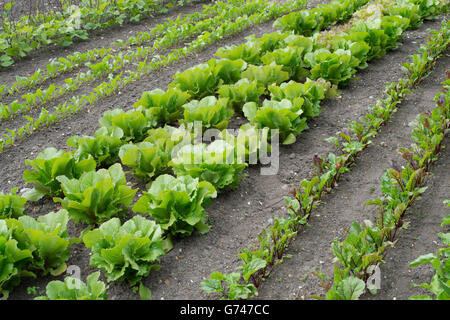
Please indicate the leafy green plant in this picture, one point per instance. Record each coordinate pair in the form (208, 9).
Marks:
(210, 111)
(177, 204)
(283, 115)
(268, 42)
(96, 195)
(377, 39)
(393, 26)
(216, 163)
(248, 53)
(75, 289)
(308, 22)
(291, 58)
(126, 252)
(145, 158)
(308, 94)
(249, 144)
(337, 67)
(48, 166)
(11, 205)
(439, 286)
(406, 9)
(204, 79)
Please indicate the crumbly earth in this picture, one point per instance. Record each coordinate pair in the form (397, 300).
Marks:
(237, 216)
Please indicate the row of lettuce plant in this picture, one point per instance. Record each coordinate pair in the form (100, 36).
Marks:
(76, 60)
(112, 63)
(20, 36)
(120, 81)
(272, 243)
(439, 286)
(365, 245)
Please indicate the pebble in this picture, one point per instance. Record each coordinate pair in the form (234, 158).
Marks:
(292, 156)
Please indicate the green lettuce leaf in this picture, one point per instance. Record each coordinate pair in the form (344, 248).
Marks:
(177, 204)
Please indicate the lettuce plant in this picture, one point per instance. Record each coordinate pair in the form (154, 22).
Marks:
(308, 95)
(248, 53)
(393, 26)
(11, 205)
(210, 111)
(283, 115)
(13, 260)
(406, 9)
(358, 49)
(268, 42)
(228, 71)
(166, 107)
(168, 137)
(429, 9)
(50, 164)
(177, 204)
(75, 289)
(96, 195)
(216, 163)
(301, 42)
(127, 125)
(266, 75)
(307, 22)
(291, 58)
(377, 39)
(204, 79)
(104, 149)
(151, 157)
(145, 158)
(241, 92)
(125, 252)
(337, 67)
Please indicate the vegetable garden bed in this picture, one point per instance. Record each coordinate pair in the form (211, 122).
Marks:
(236, 216)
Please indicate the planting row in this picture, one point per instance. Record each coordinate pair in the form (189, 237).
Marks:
(108, 88)
(112, 63)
